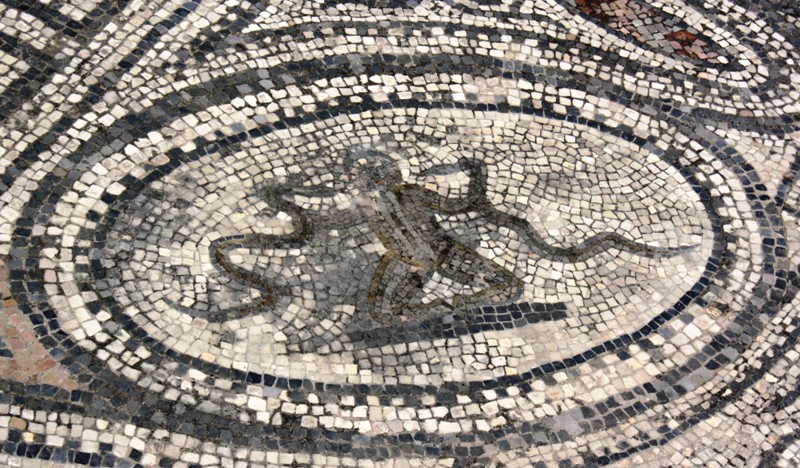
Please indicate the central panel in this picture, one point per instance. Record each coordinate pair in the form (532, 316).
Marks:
(406, 246)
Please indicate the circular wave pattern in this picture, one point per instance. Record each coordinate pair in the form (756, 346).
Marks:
(403, 239)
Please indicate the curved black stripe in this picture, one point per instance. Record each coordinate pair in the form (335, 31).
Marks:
(44, 65)
(101, 15)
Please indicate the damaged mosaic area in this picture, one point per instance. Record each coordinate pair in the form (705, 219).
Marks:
(370, 233)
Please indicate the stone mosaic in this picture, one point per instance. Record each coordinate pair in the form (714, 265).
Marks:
(388, 233)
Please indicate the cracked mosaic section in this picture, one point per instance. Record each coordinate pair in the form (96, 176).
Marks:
(367, 233)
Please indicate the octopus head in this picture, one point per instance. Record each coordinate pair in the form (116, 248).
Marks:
(370, 170)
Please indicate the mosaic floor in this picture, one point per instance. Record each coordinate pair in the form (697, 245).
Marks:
(478, 233)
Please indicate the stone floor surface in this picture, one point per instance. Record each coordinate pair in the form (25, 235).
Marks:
(458, 233)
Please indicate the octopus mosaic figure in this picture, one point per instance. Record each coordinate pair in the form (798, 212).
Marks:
(403, 217)
(400, 217)
(452, 233)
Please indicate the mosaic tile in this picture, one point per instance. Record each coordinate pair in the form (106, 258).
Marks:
(371, 233)
(4, 351)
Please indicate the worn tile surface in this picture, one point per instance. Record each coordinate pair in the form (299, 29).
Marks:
(427, 233)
